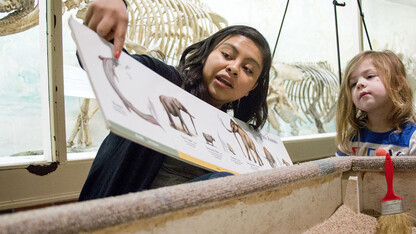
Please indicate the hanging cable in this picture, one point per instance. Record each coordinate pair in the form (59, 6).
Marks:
(336, 32)
(280, 30)
(365, 27)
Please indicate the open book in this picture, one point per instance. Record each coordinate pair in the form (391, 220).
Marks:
(144, 107)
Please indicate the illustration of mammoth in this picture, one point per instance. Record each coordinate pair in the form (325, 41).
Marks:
(247, 141)
(270, 158)
(208, 138)
(173, 107)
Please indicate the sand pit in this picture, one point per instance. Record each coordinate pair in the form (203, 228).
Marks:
(345, 220)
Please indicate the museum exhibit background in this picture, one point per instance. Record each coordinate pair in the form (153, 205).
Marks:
(307, 45)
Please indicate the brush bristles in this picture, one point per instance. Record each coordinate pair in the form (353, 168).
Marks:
(397, 223)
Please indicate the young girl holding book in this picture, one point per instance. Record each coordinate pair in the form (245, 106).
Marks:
(229, 70)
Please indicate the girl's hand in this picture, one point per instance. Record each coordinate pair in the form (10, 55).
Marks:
(109, 19)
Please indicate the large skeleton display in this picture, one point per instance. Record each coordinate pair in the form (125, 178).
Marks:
(20, 15)
(302, 91)
(297, 93)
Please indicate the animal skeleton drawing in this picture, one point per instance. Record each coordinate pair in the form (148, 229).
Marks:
(109, 65)
(173, 107)
(247, 142)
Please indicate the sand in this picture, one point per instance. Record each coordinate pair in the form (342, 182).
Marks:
(344, 220)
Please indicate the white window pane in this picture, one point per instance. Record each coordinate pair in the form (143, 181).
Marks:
(24, 115)
(20, 94)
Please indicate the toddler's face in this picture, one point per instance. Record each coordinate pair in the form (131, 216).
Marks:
(367, 89)
(232, 69)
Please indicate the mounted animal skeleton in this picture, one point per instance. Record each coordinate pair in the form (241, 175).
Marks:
(21, 15)
(308, 89)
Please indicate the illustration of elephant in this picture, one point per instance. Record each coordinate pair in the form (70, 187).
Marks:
(173, 107)
(270, 158)
(247, 141)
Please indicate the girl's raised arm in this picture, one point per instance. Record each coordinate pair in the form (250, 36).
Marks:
(109, 19)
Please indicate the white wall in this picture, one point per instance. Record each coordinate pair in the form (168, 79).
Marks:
(308, 33)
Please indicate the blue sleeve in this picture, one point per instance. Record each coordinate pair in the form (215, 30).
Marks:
(340, 153)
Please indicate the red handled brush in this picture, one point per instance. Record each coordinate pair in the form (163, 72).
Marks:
(392, 219)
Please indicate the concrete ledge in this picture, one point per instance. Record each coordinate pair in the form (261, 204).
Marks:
(401, 163)
(290, 199)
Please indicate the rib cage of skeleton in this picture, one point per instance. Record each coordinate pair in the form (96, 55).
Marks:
(298, 93)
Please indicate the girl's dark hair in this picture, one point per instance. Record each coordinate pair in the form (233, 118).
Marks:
(251, 109)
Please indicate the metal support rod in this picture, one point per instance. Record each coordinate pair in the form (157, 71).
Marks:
(360, 32)
(280, 30)
(365, 27)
